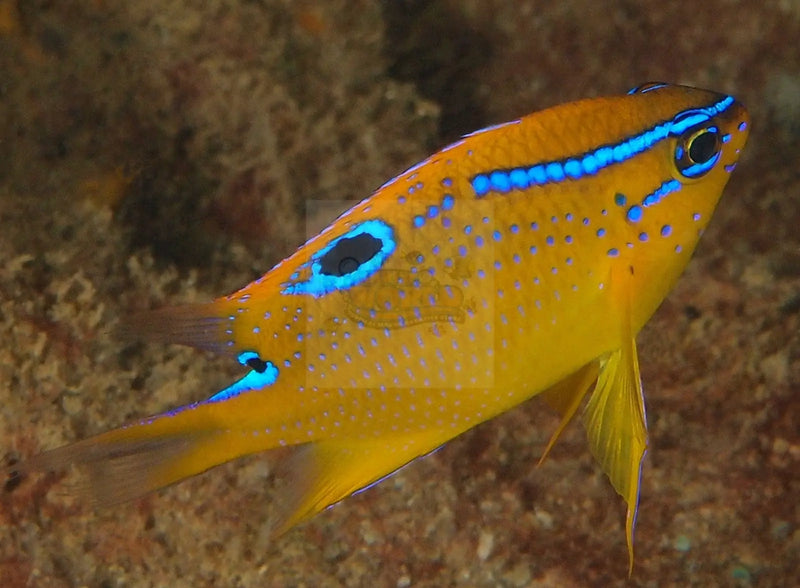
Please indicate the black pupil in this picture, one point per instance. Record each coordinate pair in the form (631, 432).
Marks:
(348, 255)
(257, 364)
(703, 147)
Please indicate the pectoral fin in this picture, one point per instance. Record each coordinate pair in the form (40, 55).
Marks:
(615, 423)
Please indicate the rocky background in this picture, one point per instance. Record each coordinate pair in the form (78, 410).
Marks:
(157, 152)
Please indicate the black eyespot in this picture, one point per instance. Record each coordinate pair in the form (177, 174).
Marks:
(257, 364)
(348, 254)
(697, 151)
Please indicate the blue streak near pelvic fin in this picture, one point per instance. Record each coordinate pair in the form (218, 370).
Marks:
(320, 284)
(504, 180)
(252, 381)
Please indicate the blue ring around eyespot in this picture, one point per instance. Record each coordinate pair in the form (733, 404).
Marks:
(320, 284)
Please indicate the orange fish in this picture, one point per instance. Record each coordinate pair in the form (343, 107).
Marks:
(520, 261)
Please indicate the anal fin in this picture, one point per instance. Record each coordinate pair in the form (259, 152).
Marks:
(322, 473)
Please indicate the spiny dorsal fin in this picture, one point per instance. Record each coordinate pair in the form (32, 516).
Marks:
(196, 325)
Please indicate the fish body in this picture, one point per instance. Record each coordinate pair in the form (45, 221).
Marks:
(520, 261)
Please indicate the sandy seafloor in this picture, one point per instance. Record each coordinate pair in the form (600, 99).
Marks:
(159, 152)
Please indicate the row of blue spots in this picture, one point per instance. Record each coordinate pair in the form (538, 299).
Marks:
(504, 180)
(447, 203)
(665, 188)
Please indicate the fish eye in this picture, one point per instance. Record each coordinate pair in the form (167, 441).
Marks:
(349, 254)
(697, 150)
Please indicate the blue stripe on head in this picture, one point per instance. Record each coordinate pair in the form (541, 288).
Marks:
(576, 166)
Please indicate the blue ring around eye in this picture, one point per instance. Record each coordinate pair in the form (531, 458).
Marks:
(320, 284)
(698, 169)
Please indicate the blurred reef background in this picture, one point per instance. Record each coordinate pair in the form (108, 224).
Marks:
(154, 153)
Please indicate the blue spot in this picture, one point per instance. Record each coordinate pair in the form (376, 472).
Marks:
(666, 231)
(568, 239)
(573, 168)
(537, 174)
(600, 232)
(433, 210)
(620, 199)
(252, 381)
(532, 249)
(643, 236)
(534, 226)
(635, 213)
(462, 250)
(320, 283)
(401, 199)
(555, 171)
(589, 164)
(696, 216)
(519, 178)
(497, 235)
(479, 241)
(448, 201)
(726, 138)
(585, 221)
(742, 126)
(467, 229)
(550, 240)
(447, 182)
(613, 252)
(446, 222)
(419, 221)
(568, 217)
(500, 182)
(516, 258)
(514, 228)
(481, 185)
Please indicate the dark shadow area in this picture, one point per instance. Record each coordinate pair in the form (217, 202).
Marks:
(439, 51)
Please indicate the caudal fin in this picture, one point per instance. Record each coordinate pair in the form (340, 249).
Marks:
(135, 460)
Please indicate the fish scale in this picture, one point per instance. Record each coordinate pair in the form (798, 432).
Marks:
(520, 261)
